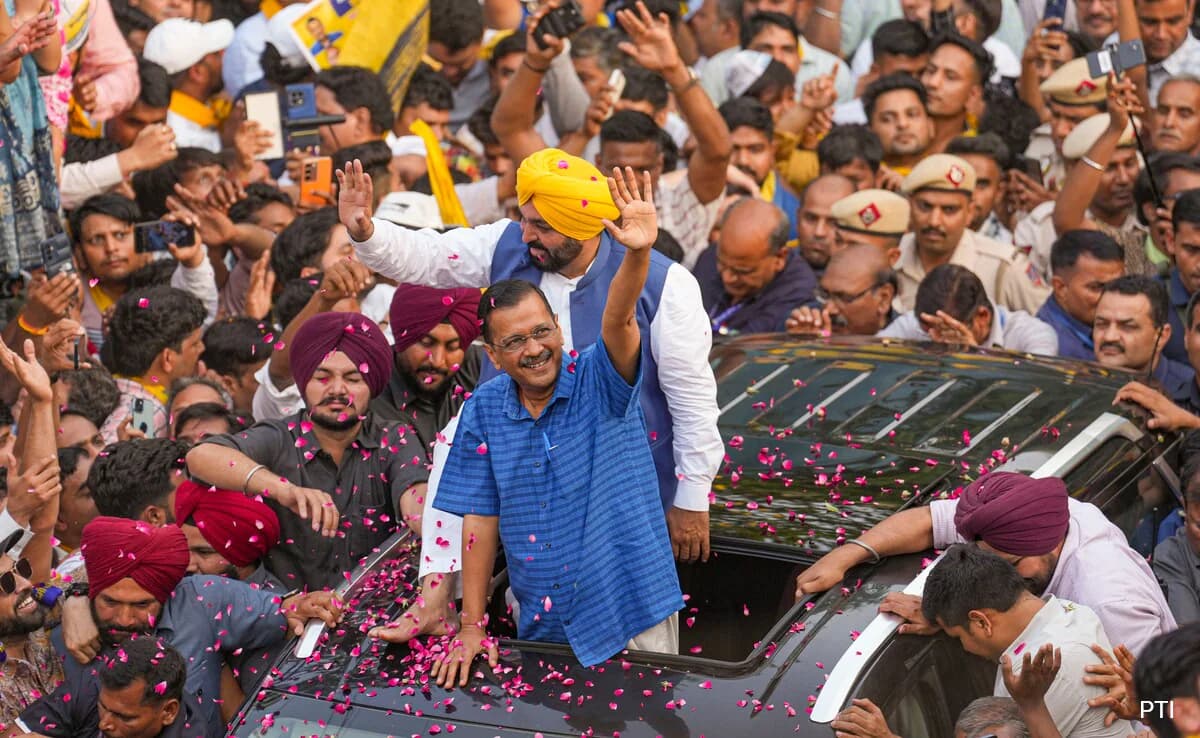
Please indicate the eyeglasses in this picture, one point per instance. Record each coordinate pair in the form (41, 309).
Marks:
(513, 344)
(8, 582)
(823, 295)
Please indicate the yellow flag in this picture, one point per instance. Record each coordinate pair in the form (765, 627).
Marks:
(389, 37)
(440, 180)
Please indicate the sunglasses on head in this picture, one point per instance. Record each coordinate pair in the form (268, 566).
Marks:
(8, 582)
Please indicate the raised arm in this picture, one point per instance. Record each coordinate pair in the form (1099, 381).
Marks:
(512, 120)
(652, 46)
(637, 232)
(1082, 181)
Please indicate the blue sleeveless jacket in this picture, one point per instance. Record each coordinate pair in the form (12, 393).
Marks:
(511, 261)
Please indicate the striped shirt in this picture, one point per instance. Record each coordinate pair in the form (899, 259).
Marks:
(576, 492)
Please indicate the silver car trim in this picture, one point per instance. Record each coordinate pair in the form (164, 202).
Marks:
(845, 673)
(914, 409)
(831, 399)
(754, 388)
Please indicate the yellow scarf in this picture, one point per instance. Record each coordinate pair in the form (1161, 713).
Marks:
(768, 187)
(440, 180)
(270, 7)
(205, 115)
(81, 125)
(159, 391)
(101, 298)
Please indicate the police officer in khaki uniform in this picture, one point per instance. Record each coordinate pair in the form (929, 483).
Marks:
(1035, 233)
(1072, 96)
(877, 218)
(939, 189)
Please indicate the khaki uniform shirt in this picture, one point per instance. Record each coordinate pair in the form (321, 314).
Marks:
(1034, 234)
(1007, 276)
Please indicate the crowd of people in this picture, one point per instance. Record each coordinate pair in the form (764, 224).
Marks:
(239, 355)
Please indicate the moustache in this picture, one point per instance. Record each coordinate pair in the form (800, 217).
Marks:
(528, 361)
(1113, 345)
(431, 369)
(343, 399)
(933, 232)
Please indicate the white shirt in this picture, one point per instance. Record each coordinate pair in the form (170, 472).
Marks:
(188, 133)
(1184, 60)
(240, 66)
(271, 403)
(680, 334)
(850, 113)
(1072, 629)
(1014, 330)
(1096, 568)
(441, 532)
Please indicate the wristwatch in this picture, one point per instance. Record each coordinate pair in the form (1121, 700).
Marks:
(693, 80)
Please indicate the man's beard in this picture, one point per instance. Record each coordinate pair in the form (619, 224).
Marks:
(112, 634)
(20, 624)
(556, 259)
(434, 391)
(344, 420)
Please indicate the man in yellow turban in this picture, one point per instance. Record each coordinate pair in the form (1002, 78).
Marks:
(560, 244)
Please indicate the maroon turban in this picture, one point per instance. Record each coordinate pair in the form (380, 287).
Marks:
(416, 310)
(355, 335)
(1014, 513)
(116, 548)
(237, 527)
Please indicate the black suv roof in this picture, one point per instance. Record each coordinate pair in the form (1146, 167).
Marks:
(823, 440)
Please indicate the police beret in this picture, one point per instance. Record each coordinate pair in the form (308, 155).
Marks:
(1072, 84)
(1085, 135)
(873, 211)
(940, 172)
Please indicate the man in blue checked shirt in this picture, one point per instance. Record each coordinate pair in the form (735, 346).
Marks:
(552, 458)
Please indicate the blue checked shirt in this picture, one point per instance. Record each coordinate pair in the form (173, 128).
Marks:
(582, 526)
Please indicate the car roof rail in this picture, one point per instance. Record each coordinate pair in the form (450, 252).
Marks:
(844, 676)
(313, 629)
(1108, 425)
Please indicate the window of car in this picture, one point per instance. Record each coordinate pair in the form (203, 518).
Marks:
(921, 684)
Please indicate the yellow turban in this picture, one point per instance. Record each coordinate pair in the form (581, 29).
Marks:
(569, 193)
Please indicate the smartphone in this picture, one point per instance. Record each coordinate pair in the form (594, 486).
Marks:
(1055, 9)
(616, 81)
(316, 176)
(157, 234)
(1030, 167)
(1116, 59)
(560, 22)
(301, 101)
(56, 256)
(143, 416)
(263, 108)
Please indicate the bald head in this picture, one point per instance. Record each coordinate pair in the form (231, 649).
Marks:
(750, 250)
(859, 286)
(816, 228)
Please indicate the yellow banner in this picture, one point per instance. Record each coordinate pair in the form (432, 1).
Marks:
(389, 36)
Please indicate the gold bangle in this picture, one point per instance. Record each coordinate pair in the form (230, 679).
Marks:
(21, 322)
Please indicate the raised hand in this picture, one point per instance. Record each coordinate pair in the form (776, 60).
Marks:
(212, 225)
(945, 328)
(355, 197)
(863, 719)
(1123, 102)
(192, 256)
(48, 301)
(1029, 687)
(153, 147)
(28, 371)
(536, 56)
(30, 490)
(262, 284)
(58, 346)
(820, 93)
(17, 45)
(650, 42)
(809, 321)
(639, 221)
